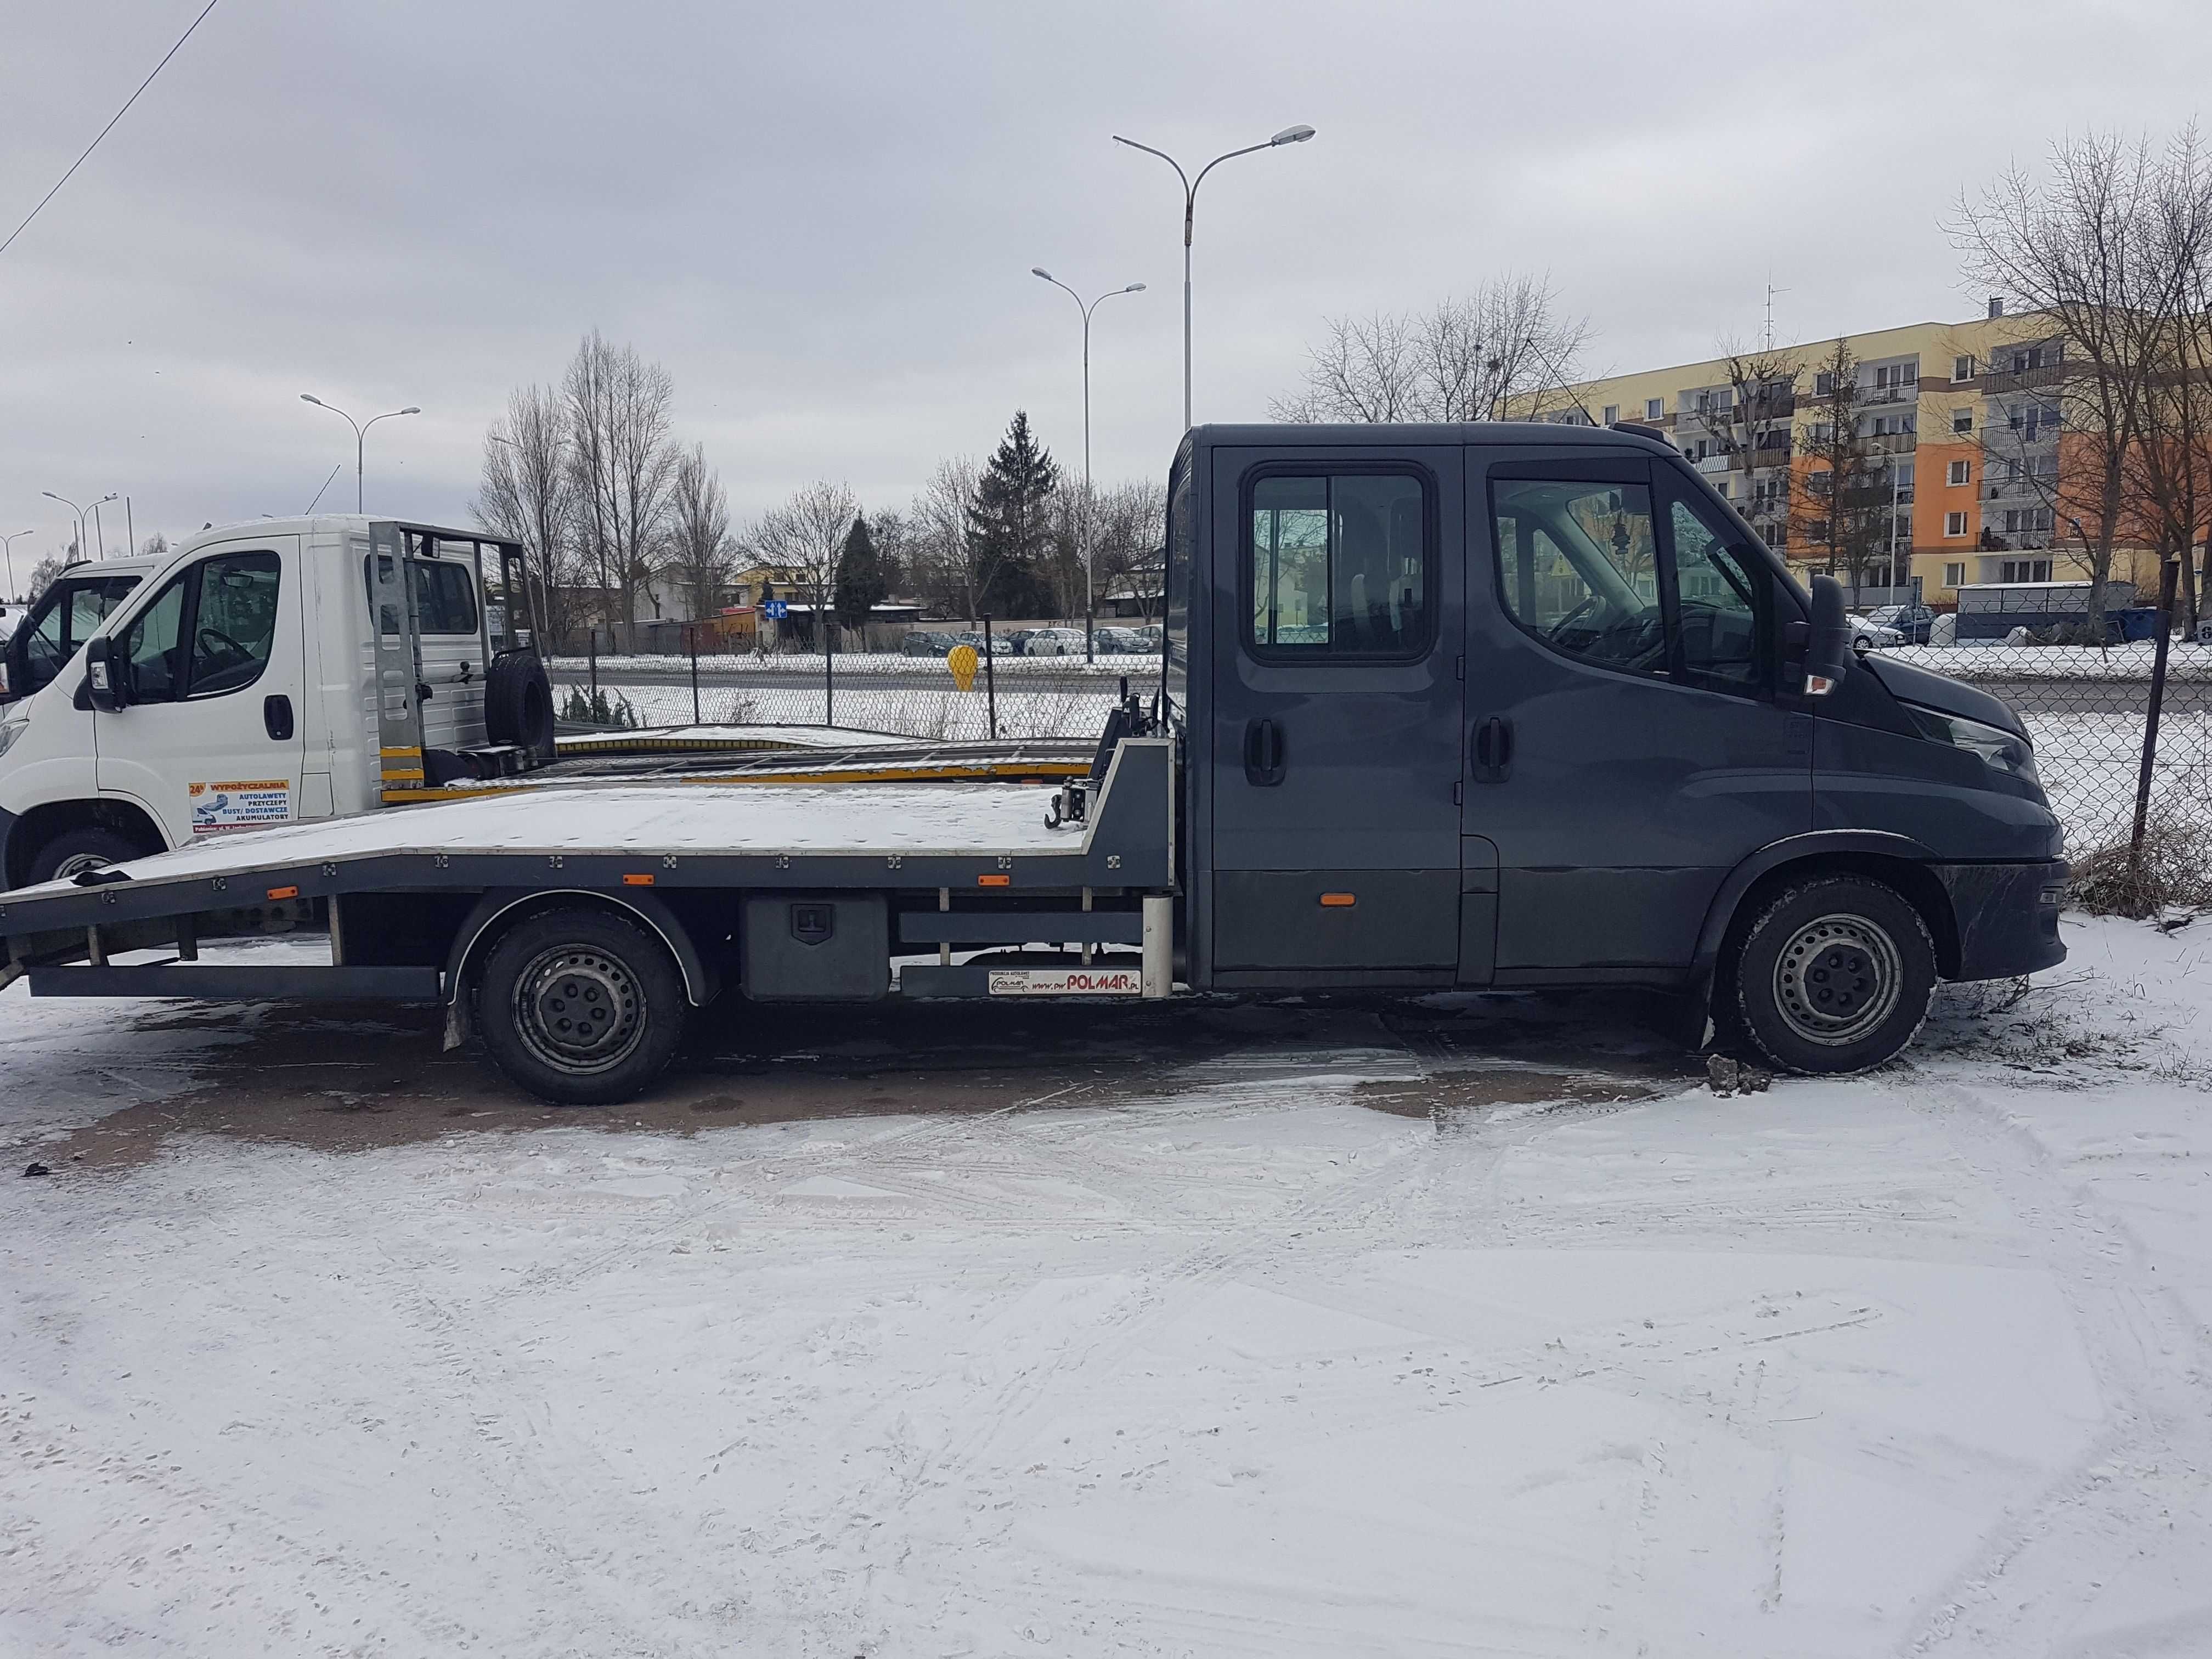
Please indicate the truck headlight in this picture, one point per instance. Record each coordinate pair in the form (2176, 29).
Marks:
(2002, 751)
(10, 731)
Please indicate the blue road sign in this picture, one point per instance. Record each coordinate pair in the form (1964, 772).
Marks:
(775, 610)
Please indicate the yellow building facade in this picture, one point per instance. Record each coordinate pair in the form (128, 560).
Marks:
(1962, 420)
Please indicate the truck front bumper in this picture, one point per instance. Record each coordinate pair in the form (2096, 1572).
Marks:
(2008, 916)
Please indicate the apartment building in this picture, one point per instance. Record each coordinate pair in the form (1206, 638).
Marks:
(1959, 425)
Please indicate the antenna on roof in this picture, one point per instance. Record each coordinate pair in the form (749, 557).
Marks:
(1767, 334)
(1561, 379)
(326, 485)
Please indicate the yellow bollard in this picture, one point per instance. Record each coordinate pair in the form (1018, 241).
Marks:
(962, 661)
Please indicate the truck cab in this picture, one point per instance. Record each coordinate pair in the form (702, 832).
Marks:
(245, 684)
(1509, 706)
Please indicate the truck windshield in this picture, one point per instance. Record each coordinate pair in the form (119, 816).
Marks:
(66, 617)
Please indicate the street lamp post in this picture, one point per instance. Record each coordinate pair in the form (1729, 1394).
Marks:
(80, 511)
(1089, 582)
(360, 439)
(14, 593)
(1297, 135)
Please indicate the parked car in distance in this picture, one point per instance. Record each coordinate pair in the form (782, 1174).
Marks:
(1913, 623)
(1054, 642)
(1865, 632)
(1001, 645)
(1118, 641)
(922, 642)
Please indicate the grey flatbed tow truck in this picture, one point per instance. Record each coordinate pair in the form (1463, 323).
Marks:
(1495, 706)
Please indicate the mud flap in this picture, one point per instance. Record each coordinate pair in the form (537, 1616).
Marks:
(459, 1026)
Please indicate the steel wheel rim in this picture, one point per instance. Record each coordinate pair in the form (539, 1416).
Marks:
(75, 866)
(579, 1009)
(1837, 979)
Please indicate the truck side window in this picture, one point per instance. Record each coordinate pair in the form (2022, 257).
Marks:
(445, 600)
(233, 621)
(1579, 567)
(1337, 565)
(1724, 606)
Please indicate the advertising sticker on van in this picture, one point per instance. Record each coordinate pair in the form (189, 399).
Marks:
(250, 805)
(1066, 983)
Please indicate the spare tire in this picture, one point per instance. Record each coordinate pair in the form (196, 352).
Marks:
(519, 703)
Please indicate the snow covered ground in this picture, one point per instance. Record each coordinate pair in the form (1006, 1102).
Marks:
(1474, 1329)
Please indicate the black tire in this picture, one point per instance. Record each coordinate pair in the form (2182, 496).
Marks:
(581, 1007)
(519, 703)
(1833, 975)
(89, 846)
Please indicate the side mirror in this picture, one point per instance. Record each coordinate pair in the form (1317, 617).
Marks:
(1828, 654)
(106, 676)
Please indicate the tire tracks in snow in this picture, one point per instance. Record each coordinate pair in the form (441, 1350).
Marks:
(2041, 1568)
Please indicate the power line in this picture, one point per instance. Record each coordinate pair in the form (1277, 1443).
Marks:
(109, 128)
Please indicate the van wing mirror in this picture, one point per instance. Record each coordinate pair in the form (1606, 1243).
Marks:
(107, 683)
(1828, 655)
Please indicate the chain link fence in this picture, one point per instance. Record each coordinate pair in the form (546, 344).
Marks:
(2087, 708)
(1014, 699)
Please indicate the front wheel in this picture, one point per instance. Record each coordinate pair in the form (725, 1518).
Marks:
(1834, 975)
(581, 1007)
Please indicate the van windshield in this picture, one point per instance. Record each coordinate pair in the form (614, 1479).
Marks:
(67, 615)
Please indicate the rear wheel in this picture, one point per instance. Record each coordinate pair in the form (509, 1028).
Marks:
(1834, 975)
(581, 1007)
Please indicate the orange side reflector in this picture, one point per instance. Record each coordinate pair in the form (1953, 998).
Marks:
(1338, 901)
(637, 881)
(994, 881)
(283, 892)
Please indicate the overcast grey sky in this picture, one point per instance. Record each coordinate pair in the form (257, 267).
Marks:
(822, 217)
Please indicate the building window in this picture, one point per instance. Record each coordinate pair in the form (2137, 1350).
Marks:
(1823, 384)
(2023, 570)
(1962, 420)
(1954, 524)
(1954, 576)
(1818, 482)
(1655, 409)
(1612, 413)
(1958, 474)
(1962, 368)
(1721, 488)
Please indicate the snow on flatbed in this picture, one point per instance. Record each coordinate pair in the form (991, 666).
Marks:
(706, 817)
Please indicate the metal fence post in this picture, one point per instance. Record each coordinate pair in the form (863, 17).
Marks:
(2168, 570)
(591, 649)
(829, 669)
(990, 680)
(691, 634)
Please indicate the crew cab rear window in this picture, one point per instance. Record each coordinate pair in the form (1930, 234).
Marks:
(445, 599)
(1339, 565)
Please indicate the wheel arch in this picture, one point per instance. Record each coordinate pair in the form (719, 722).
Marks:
(1898, 861)
(503, 907)
(29, 831)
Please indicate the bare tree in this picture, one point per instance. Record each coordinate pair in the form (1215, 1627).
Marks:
(1131, 536)
(2169, 470)
(949, 563)
(806, 535)
(527, 492)
(1504, 347)
(622, 462)
(2082, 252)
(701, 555)
(1844, 481)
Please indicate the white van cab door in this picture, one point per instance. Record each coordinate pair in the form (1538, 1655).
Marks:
(213, 659)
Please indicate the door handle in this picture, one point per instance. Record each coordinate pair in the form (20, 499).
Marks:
(1493, 750)
(1263, 753)
(276, 718)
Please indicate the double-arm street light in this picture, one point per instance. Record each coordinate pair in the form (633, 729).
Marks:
(1297, 135)
(80, 512)
(13, 591)
(1086, 306)
(360, 430)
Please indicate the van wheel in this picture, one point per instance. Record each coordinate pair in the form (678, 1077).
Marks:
(580, 1008)
(73, 852)
(1834, 975)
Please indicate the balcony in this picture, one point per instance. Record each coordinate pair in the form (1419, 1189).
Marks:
(1890, 443)
(1907, 392)
(2026, 380)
